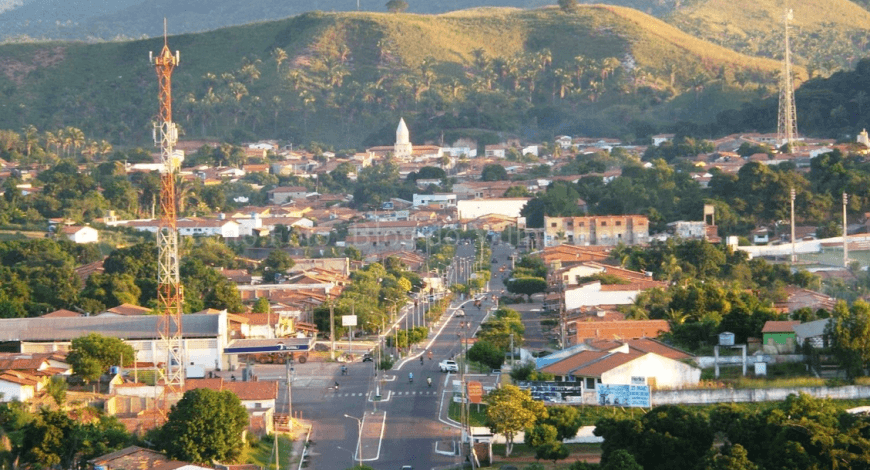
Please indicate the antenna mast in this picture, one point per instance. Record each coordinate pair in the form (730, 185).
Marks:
(786, 132)
(170, 295)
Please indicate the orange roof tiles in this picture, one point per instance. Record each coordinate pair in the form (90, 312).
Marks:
(779, 326)
(625, 329)
(571, 363)
(607, 363)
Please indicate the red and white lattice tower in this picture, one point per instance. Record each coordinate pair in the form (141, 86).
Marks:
(170, 295)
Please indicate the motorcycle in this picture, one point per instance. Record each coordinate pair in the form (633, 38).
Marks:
(429, 381)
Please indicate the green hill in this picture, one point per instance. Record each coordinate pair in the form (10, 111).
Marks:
(347, 77)
(825, 35)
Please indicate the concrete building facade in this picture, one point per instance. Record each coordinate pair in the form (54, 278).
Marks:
(607, 230)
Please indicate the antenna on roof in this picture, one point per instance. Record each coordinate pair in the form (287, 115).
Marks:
(165, 41)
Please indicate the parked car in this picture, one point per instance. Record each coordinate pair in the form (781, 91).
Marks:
(448, 366)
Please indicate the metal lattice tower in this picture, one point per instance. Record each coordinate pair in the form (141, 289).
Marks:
(786, 131)
(170, 294)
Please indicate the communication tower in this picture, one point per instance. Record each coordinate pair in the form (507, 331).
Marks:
(786, 131)
(170, 294)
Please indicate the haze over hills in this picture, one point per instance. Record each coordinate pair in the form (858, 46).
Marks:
(825, 34)
(348, 77)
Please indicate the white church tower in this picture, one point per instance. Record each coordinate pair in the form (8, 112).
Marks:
(403, 147)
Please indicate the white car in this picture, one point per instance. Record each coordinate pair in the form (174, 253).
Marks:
(448, 366)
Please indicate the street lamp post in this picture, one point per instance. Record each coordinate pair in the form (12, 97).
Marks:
(358, 457)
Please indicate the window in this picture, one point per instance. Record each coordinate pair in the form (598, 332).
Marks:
(552, 224)
(582, 224)
(603, 224)
(590, 383)
(618, 223)
(570, 223)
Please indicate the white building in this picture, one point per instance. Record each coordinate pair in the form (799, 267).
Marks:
(204, 335)
(442, 199)
(81, 234)
(506, 206)
(593, 293)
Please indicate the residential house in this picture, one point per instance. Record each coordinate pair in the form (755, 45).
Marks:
(440, 199)
(381, 236)
(135, 458)
(780, 336)
(283, 194)
(615, 330)
(80, 234)
(812, 332)
(258, 398)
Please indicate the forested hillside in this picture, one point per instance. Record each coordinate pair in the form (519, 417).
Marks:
(826, 35)
(133, 19)
(335, 77)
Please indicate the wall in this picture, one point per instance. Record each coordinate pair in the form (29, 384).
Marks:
(666, 372)
(676, 397)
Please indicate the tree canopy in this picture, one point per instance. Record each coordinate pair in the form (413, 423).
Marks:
(91, 355)
(203, 427)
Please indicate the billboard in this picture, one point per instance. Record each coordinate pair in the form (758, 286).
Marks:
(554, 392)
(348, 320)
(623, 395)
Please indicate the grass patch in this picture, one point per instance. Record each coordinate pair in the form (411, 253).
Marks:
(261, 452)
(778, 376)
(477, 416)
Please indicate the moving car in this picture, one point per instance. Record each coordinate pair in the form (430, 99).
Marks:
(448, 366)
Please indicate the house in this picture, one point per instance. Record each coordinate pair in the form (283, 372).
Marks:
(779, 336)
(621, 363)
(80, 234)
(134, 458)
(615, 330)
(812, 332)
(282, 194)
(659, 139)
(761, 236)
(258, 398)
(441, 199)
(125, 310)
(380, 236)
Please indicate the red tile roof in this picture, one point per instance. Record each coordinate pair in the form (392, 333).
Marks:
(780, 326)
(625, 329)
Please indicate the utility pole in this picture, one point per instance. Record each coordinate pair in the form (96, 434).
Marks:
(289, 396)
(793, 256)
(845, 233)
(331, 330)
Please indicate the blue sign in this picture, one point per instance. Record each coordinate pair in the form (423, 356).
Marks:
(623, 395)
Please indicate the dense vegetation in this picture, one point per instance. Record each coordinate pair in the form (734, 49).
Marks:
(335, 78)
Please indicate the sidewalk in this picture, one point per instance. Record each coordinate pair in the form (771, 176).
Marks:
(301, 432)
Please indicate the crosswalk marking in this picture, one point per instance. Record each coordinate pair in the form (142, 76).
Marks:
(404, 393)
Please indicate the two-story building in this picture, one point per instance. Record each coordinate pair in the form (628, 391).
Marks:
(608, 230)
(378, 236)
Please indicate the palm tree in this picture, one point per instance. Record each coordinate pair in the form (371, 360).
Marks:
(675, 317)
(250, 72)
(480, 60)
(31, 136)
(280, 55)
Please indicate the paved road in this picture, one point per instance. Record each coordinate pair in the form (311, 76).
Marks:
(408, 416)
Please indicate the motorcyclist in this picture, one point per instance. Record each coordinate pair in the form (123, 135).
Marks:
(343, 370)
(430, 355)
(336, 386)
(421, 359)
(429, 381)
(410, 376)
